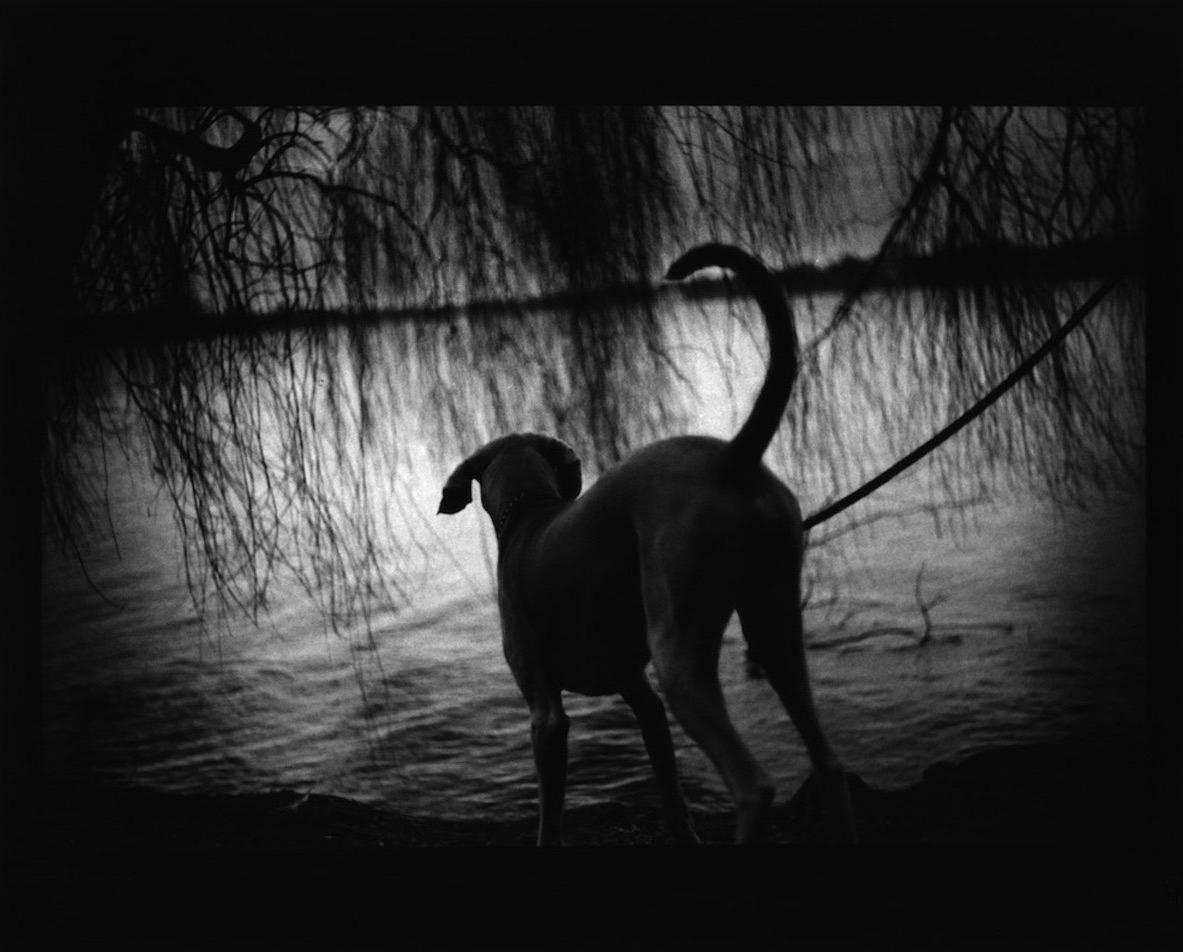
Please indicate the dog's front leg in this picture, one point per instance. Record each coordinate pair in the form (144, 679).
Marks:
(548, 733)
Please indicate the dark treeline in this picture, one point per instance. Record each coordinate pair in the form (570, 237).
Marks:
(1016, 264)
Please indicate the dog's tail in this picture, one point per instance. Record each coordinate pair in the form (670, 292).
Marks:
(749, 444)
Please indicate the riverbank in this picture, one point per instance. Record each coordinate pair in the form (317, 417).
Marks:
(1080, 865)
(1017, 795)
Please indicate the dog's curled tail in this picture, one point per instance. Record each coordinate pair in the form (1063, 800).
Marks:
(749, 444)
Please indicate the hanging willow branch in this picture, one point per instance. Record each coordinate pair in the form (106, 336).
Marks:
(277, 448)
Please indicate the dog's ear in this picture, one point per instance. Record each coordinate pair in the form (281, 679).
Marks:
(458, 488)
(457, 491)
(568, 469)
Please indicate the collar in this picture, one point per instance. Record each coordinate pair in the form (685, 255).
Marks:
(501, 520)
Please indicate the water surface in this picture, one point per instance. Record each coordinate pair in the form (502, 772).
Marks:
(1035, 633)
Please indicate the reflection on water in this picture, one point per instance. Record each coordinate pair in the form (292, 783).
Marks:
(1036, 634)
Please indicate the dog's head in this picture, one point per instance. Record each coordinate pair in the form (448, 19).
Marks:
(521, 463)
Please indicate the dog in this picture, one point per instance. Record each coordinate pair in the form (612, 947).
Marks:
(649, 564)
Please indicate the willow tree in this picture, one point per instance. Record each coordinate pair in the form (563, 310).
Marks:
(345, 271)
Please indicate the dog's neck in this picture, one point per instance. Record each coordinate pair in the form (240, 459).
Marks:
(507, 511)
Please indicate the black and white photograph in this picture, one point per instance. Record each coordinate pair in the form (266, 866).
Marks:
(720, 515)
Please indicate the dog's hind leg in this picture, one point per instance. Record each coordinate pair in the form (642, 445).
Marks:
(686, 614)
(770, 613)
(696, 699)
(655, 729)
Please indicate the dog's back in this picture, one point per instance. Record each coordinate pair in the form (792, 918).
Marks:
(576, 578)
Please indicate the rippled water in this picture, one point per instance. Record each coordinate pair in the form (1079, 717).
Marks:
(1038, 634)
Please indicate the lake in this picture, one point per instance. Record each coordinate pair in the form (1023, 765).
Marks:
(1035, 632)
